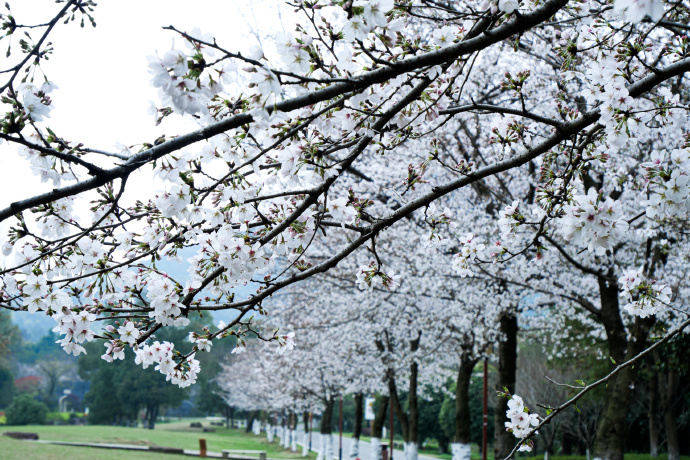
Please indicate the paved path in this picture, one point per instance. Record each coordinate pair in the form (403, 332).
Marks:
(364, 447)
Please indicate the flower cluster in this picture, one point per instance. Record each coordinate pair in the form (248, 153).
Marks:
(521, 422)
(57, 218)
(183, 374)
(667, 183)
(293, 52)
(35, 100)
(434, 217)
(114, 350)
(46, 167)
(510, 219)
(76, 327)
(372, 14)
(471, 249)
(589, 221)
(644, 299)
(181, 80)
(201, 343)
(370, 277)
(342, 212)
(285, 342)
(128, 333)
(165, 303)
(636, 10)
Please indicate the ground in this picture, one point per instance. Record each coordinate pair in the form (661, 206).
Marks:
(176, 434)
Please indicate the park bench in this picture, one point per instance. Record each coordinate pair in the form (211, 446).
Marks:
(242, 454)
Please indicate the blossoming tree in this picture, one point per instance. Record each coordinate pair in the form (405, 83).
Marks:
(583, 101)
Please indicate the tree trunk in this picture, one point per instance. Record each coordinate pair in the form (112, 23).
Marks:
(293, 433)
(671, 413)
(408, 422)
(357, 429)
(507, 365)
(397, 406)
(250, 420)
(271, 428)
(326, 421)
(153, 415)
(377, 428)
(326, 450)
(412, 441)
(305, 440)
(461, 441)
(612, 429)
(285, 436)
(653, 413)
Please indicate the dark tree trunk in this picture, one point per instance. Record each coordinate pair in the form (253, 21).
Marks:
(462, 400)
(612, 429)
(305, 418)
(327, 416)
(653, 413)
(152, 416)
(507, 365)
(412, 401)
(397, 406)
(251, 415)
(359, 415)
(408, 422)
(671, 413)
(380, 418)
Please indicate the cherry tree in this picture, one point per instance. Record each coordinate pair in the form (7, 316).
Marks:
(340, 127)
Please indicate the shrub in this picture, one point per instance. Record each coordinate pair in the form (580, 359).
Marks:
(25, 410)
(58, 417)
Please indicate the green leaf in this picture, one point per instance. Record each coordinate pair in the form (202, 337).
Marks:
(580, 382)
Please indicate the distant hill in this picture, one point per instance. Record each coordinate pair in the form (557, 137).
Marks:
(33, 327)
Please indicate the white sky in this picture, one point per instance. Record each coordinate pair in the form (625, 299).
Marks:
(102, 76)
(102, 73)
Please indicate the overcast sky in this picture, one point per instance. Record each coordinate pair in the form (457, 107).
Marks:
(104, 93)
(102, 75)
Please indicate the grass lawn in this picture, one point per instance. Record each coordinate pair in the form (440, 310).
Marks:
(174, 434)
(12, 449)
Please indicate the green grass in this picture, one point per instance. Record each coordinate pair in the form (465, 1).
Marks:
(15, 449)
(174, 434)
(476, 455)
